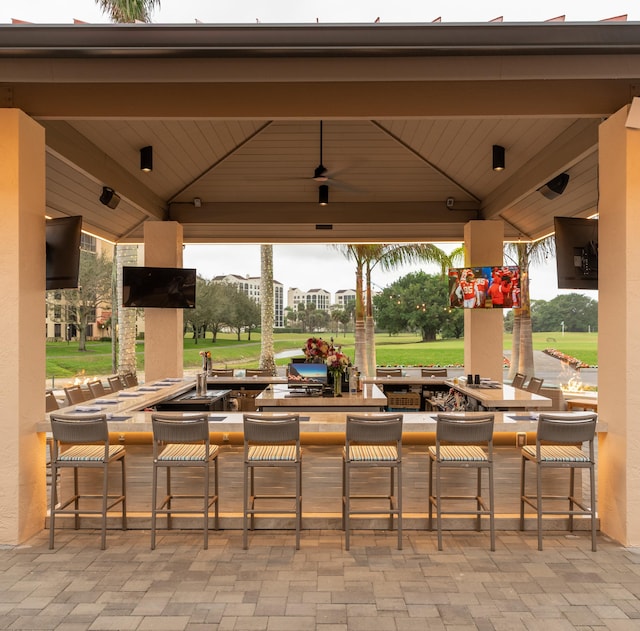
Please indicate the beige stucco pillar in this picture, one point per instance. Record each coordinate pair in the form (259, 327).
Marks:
(618, 337)
(483, 352)
(22, 322)
(163, 328)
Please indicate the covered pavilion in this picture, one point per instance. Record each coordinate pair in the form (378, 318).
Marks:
(404, 118)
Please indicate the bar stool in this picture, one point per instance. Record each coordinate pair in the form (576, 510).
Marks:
(518, 380)
(534, 385)
(75, 395)
(81, 441)
(459, 444)
(182, 440)
(373, 441)
(271, 441)
(115, 383)
(559, 442)
(96, 389)
(434, 372)
(388, 372)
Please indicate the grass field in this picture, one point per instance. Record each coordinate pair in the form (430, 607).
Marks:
(64, 359)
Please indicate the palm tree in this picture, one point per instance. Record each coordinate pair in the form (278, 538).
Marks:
(388, 256)
(267, 356)
(124, 320)
(124, 11)
(523, 254)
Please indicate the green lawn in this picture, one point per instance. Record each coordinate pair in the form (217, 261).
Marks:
(64, 359)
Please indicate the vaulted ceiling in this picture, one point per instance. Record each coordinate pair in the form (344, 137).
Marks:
(409, 115)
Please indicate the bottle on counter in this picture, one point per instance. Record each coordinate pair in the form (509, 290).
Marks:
(353, 379)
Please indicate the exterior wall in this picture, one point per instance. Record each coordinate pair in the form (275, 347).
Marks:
(343, 297)
(22, 352)
(618, 340)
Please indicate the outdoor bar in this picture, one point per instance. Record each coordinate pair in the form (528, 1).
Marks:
(577, 82)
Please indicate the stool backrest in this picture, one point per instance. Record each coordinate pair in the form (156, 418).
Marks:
(249, 372)
(74, 395)
(51, 403)
(373, 429)
(79, 429)
(222, 373)
(434, 372)
(565, 429)
(96, 388)
(115, 383)
(388, 372)
(463, 429)
(534, 385)
(271, 429)
(518, 380)
(180, 427)
(130, 379)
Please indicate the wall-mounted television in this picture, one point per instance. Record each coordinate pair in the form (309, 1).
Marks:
(63, 252)
(307, 375)
(484, 287)
(159, 287)
(576, 252)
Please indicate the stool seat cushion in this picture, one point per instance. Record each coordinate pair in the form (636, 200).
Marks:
(368, 453)
(89, 452)
(272, 452)
(460, 453)
(557, 453)
(186, 452)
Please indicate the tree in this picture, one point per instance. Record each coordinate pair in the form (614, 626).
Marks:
(387, 256)
(124, 11)
(124, 325)
(94, 290)
(243, 313)
(573, 312)
(417, 302)
(267, 313)
(523, 254)
(200, 316)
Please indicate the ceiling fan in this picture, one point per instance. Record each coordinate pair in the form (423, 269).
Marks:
(320, 174)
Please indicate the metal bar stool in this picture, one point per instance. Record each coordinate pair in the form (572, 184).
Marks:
(182, 440)
(81, 441)
(373, 441)
(271, 441)
(559, 444)
(460, 442)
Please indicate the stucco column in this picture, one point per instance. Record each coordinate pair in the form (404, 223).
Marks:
(22, 322)
(163, 328)
(483, 328)
(618, 337)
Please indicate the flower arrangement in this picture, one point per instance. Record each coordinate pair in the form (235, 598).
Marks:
(206, 360)
(337, 362)
(316, 348)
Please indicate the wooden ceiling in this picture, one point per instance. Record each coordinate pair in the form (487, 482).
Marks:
(408, 155)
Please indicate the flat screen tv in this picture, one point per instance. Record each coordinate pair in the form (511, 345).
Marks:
(484, 287)
(63, 252)
(159, 287)
(576, 252)
(307, 375)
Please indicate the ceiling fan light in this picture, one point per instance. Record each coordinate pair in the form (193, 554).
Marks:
(498, 158)
(320, 174)
(323, 195)
(146, 159)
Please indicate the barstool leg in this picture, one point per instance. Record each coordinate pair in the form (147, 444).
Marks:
(54, 502)
(522, 487)
(124, 494)
(105, 494)
(245, 504)
(154, 505)
(492, 520)
(205, 508)
(539, 504)
(438, 506)
(399, 504)
(592, 485)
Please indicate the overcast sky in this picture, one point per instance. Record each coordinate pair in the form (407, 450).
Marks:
(309, 266)
(279, 11)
